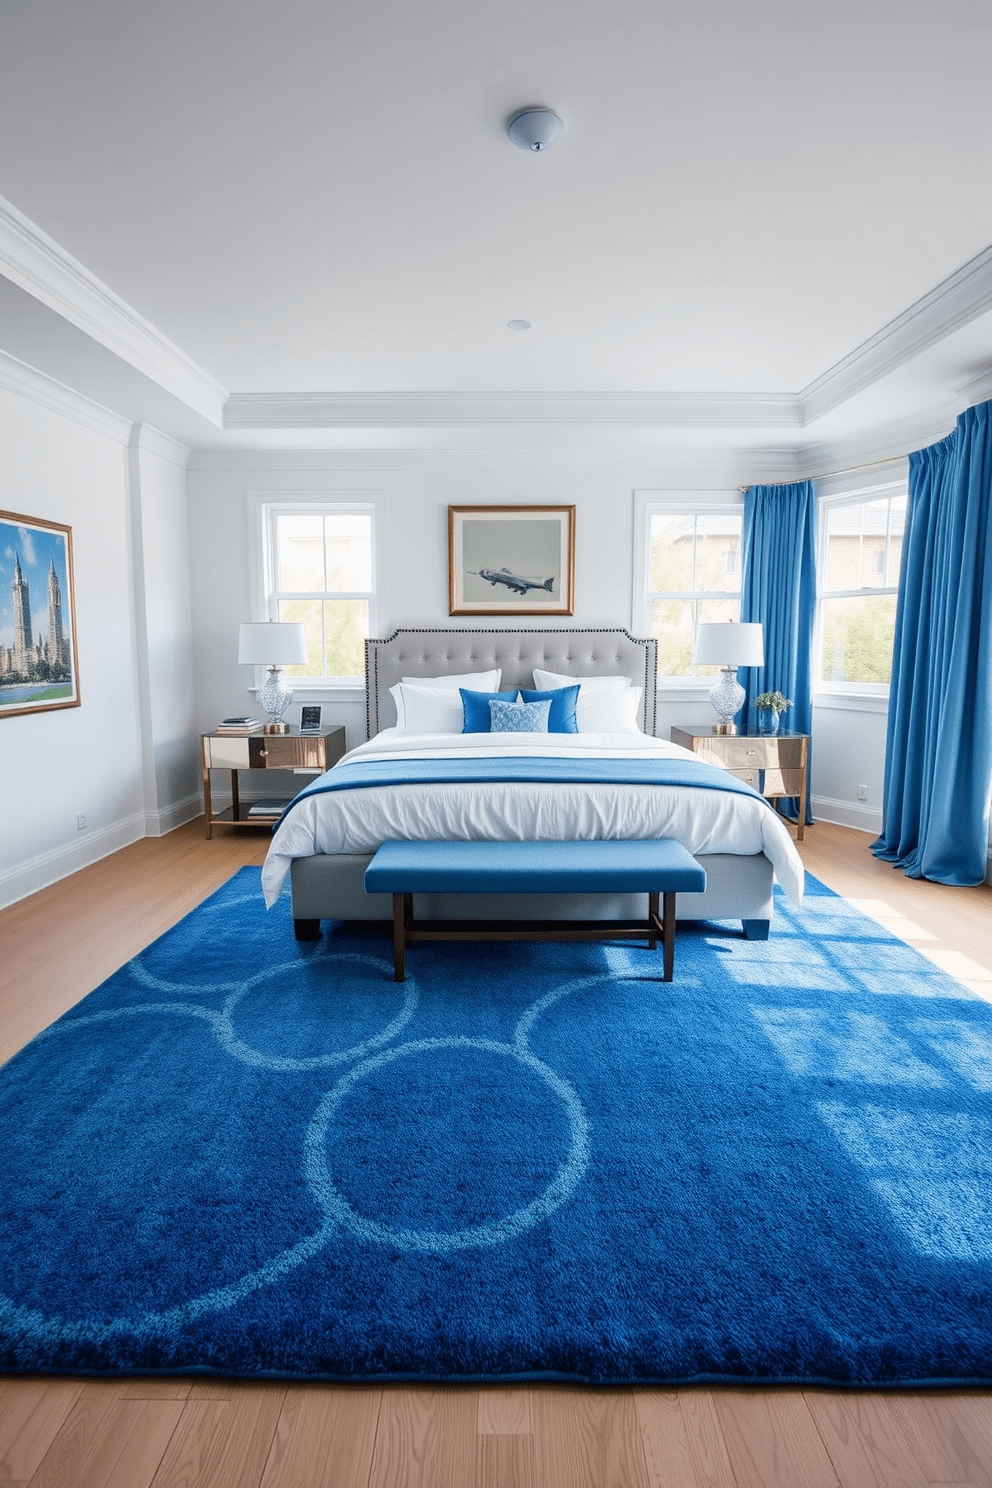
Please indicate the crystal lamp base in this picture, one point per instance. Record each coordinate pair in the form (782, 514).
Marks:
(727, 697)
(275, 697)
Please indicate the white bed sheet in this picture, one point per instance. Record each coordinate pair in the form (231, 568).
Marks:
(357, 821)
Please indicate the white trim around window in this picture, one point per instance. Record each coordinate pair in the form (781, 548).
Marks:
(262, 507)
(646, 505)
(858, 697)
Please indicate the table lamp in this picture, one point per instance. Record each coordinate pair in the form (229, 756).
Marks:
(273, 644)
(728, 645)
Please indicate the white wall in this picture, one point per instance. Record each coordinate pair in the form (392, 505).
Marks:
(171, 776)
(413, 534)
(415, 492)
(126, 759)
(54, 765)
(849, 752)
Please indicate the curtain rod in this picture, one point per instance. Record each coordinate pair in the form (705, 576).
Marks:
(848, 470)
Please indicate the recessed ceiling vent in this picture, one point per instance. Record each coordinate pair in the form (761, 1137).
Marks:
(534, 128)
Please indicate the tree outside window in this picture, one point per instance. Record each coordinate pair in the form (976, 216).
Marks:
(694, 575)
(322, 576)
(861, 549)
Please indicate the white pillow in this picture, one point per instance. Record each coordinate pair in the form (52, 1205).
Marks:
(474, 681)
(427, 710)
(604, 705)
(545, 681)
(610, 711)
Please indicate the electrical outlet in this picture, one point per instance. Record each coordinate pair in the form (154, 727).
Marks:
(82, 822)
(862, 793)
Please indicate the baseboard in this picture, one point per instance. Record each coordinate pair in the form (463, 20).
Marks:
(847, 814)
(160, 823)
(49, 867)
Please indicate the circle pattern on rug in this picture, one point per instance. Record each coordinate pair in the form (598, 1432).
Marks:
(435, 1158)
(483, 1202)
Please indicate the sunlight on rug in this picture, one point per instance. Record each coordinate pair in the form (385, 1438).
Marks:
(248, 1156)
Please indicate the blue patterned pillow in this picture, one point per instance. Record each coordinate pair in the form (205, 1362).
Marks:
(519, 718)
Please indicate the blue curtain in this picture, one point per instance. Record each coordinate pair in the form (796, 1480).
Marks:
(938, 758)
(779, 590)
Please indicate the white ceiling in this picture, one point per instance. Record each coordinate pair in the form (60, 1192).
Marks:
(319, 197)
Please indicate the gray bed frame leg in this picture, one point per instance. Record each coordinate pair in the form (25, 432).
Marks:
(306, 929)
(756, 929)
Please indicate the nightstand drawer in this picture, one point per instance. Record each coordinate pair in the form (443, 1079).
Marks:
(288, 752)
(228, 754)
(783, 782)
(752, 777)
(746, 753)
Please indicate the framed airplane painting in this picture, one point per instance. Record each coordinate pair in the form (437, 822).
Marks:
(511, 560)
(38, 667)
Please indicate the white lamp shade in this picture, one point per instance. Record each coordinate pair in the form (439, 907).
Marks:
(275, 643)
(729, 644)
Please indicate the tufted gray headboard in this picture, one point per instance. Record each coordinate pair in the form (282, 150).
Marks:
(435, 653)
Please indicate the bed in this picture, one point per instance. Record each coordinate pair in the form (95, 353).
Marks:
(329, 834)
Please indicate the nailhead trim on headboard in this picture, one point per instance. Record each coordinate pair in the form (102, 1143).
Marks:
(406, 650)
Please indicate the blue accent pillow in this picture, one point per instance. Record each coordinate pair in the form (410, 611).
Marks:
(519, 718)
(561, 719)
(476, 718)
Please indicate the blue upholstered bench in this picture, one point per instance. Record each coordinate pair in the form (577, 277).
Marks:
(660, 869)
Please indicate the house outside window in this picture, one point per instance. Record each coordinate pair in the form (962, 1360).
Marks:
(319, 570)
(693, 563)
(860, 550)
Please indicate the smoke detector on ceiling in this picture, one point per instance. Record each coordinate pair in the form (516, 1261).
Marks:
(534, 128)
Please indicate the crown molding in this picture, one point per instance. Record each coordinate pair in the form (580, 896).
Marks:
(419, 410)
(18, 377)
(685, 467)
(885, 445)
(962, 297)
(152, 441)
(978, 390)
(36, 263)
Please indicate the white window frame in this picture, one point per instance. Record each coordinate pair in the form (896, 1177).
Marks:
(648, 504)
(263, 508)
(870, 697)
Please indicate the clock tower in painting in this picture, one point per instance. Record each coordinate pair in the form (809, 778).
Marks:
(56, 635)
(23, 653)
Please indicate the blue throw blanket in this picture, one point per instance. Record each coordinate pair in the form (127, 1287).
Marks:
(369, 774)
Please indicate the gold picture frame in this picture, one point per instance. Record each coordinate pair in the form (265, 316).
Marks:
(525, 555)
(39, 669)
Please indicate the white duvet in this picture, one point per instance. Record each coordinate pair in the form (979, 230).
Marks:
(359, 821)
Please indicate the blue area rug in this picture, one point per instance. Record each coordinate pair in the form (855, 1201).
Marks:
(254, 1157)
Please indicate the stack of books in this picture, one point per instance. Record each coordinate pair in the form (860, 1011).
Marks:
(238, 726)
(267, 808)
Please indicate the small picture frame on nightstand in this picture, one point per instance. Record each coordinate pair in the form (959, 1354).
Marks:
(310, 718)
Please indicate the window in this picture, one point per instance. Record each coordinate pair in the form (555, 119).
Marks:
(694, 573)
(860, 550)
(319, 571)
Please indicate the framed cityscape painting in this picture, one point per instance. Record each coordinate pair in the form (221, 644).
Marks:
(38, 667)
(511, 560)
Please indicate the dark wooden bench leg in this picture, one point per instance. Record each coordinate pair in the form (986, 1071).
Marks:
(399, 937)
(306, 929)
(669, 923)
(654, 906)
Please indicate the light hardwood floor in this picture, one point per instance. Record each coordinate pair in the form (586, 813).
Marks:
(77, 1433)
